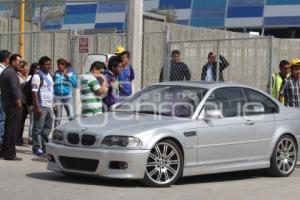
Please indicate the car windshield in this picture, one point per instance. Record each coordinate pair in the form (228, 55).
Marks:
(167, 100)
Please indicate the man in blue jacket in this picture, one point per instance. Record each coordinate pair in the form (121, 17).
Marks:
(64, 83)
(126, 77)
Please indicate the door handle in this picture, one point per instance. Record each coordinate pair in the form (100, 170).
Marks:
(250, 122)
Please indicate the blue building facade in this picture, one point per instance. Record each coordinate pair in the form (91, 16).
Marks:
(223, 14)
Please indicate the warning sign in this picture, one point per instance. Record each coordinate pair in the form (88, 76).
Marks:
(83, 45)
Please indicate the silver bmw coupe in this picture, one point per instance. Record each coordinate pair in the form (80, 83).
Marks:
(178, 129)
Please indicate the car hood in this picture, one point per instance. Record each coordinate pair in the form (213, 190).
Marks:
(119, 124)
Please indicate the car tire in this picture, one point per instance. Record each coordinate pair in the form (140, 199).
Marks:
(164, 164)
(284, 157)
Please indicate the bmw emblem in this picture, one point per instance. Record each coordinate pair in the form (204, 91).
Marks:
(83, 129)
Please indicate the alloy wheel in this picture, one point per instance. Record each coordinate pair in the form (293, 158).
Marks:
(163, 163)
(286, 155)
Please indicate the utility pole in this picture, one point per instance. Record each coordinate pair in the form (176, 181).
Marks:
(22, 28)
(135, 38)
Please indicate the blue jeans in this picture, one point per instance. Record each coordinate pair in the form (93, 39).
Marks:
(67, 103)
(2, 121)
(42, 126)
(31, 121)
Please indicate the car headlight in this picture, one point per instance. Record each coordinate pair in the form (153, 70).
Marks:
(122, 141)
(58, 136)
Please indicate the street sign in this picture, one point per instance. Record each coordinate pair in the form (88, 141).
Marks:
(83, 45)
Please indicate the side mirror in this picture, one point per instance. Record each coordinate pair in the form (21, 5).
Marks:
(254, 109)
(213, 114)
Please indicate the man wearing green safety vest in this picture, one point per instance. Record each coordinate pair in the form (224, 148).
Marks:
(278, 78)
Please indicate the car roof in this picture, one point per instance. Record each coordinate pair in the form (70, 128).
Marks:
(204, 84)
(211, 85)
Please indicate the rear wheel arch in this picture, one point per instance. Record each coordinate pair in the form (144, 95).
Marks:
(293, 136)
(284, 134)
(277, 136)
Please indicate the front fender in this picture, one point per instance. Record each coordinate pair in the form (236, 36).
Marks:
(188, 144)
(149, 139)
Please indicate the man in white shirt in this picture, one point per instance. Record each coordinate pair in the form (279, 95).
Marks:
(43, 95)
(4, 62)
(209, 73)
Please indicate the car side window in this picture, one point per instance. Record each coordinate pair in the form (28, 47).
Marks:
(229, 101)
(258, 103)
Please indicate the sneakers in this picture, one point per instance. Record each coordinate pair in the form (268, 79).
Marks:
(39, 153)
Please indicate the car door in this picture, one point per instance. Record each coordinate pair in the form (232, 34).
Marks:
(229, 139)
(261, 110)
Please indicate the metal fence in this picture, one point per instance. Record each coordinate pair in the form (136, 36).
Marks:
(252, 60)
(154, 56)
(37, 44)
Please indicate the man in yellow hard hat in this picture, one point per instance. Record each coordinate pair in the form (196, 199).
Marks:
(127, 75)
(291, 86)
(119, 50)
(278, 78)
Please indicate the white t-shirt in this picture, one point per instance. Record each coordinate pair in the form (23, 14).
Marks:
(2, 67)
(46, 91)
(209, 74)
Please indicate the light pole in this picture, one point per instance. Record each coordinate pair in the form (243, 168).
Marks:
(135, 38)
(22, 28)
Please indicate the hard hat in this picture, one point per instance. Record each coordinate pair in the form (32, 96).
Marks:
(119, 50)
(295, 62)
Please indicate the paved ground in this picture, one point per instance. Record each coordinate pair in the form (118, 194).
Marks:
(29, 180)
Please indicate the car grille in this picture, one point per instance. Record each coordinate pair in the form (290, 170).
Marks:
(88, 140)
(79, 164)
(73, 138)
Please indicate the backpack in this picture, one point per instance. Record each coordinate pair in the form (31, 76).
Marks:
(28, 90)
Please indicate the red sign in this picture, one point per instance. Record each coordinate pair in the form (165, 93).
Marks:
(83, 45)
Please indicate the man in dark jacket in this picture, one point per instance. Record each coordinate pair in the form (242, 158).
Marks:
(114, 70)
(11, 101)
(209, 70)
(179, 70)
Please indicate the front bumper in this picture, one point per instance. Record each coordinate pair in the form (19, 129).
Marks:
(136, 160)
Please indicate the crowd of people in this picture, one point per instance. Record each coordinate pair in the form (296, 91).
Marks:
(43, 96)
(286, 83)
(179, 71)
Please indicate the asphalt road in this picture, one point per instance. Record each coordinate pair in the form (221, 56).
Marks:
(29, 180)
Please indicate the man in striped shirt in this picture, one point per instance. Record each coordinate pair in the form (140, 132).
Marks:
(91, 91)
(291, 86)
